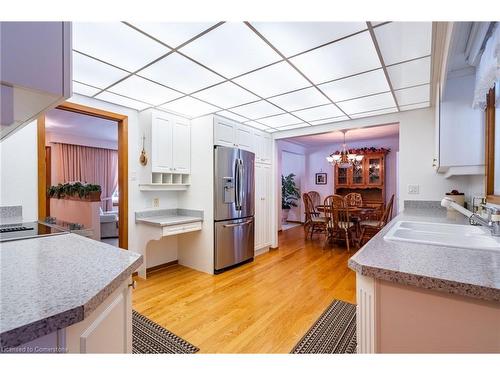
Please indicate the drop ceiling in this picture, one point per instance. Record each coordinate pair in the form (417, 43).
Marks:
(270, 75)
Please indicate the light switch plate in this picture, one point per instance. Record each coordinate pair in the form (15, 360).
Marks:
(413, 189)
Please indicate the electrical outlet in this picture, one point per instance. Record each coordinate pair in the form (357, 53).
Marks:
(156, 202)
(413, 189)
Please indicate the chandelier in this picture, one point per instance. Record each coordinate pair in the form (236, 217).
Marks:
(344, 158)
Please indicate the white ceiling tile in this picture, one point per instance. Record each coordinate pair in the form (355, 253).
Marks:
(304, 98)
(368, 103)
(414, 106)
(411, 73)
(180, 73)
(173, 33)
(343, 58)
(256, 125)
(374, 113)
(273, 80)
(399, 41)
(413, 95)
(146, 91)
(294, 126)
(226, 95)
(294, 37)
(189, 107)
(232, 116)
(80, 88)
(257, 110)
(116, 43)
(231, 49)
(317, 113)
(356, 86)
(95, 73)
(280, 120)
(121, 100)
(329, 120)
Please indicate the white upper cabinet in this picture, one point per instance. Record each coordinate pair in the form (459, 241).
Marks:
(244, 140)
(263, 147)
(232, 134)
(161, 138)
(35, 70)
(181, 147)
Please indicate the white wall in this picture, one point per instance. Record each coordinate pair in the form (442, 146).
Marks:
(296, 164)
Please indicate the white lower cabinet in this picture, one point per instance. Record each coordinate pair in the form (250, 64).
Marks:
(263, 178)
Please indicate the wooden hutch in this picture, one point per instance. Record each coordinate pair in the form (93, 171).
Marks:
(368, 178)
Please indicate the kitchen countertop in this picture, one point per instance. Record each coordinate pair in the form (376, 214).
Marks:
(465, 272)
(50, 283)
(168, 217)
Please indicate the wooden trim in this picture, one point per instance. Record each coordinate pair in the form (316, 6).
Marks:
(490, 145)
(122, 122)
(158, 267)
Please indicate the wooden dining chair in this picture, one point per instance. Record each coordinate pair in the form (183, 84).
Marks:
(315, 197)
(314, 223)
(353, 200)
(339, 224)
(370, 228)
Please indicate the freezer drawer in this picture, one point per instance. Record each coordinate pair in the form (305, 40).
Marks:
(234, 242)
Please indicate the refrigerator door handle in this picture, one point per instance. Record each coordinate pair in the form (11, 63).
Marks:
(236, 184)
(240, 178)
(238, 224)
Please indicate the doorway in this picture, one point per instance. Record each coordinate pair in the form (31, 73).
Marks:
(116, 200)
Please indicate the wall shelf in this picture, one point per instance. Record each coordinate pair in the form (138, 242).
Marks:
(160, 187)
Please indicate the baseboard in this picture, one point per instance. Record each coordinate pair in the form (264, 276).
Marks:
(261, 251)
(295, 221)
(159, 267)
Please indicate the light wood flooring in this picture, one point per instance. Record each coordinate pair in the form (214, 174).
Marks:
(262, 307)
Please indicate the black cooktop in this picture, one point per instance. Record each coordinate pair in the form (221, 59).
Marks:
(9, 232)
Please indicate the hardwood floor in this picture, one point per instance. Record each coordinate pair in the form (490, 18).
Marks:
(262, 307)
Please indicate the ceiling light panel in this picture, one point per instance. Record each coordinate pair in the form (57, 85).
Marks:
(291, 38)
(368, 103)
(257, 125)
(190, 107)
(146, 91)
(294, 126)
(232, 116)
(226, 95)
(329, 120)
(349, 56)
(413, 95)
(95, 73)
(173, 33)
(231, 49)
(317, 113)
(400, 41)
(80, 88)
(375, 113)
(257, 110)
(273, 80)
(180, 73)
(280, 120)
(361, 85)
(411, 73)
(305, 98)
(121, 100)
(414, 106)
(116, 43)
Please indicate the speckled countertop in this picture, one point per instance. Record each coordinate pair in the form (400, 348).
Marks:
(53, 282)
(465, 272)
(167, 217)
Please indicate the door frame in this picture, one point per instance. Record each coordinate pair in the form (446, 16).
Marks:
(122, 122)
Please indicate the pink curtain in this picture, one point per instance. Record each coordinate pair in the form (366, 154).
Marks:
(87, 164)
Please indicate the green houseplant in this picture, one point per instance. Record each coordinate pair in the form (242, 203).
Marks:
(290, 194)
(82, 191)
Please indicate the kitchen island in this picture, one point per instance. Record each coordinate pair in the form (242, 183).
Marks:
(65, 293)
(414, 297)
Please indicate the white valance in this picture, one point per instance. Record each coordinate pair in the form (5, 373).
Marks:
(488, 70)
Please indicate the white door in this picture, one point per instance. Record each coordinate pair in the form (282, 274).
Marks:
(259, 214)
(224, 133)
(244, 138)
(162, 144)
(181, 147)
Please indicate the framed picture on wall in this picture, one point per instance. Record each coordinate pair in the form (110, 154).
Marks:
(320, 178)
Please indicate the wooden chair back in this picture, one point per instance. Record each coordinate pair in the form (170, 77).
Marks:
(353, 200)
(387, 215)
(315, 198)
(336, 211)
(309, 210)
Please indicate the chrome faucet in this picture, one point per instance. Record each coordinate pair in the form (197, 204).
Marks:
(492, 222)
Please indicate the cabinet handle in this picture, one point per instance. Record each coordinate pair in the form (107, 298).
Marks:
(133, 284)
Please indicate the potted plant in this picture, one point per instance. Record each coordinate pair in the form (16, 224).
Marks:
(290, 194)
(82, 191)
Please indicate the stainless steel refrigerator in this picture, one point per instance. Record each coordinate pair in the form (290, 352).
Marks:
(234, 192)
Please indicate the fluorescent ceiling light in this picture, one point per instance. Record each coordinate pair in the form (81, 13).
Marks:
(82, 89)
(413, 95)
(173, 33)
(349, 56)
(361, 85)
(293, 37)
(304, 98)
(273, 80)
(226, 95)
(294, 126)
(232, 116)
(368, 103)
(329, 120)
(411, 73)
(116, 43)
(146, 91)
(121, 100)
(400, 41)
(374, 113)
(95, 73)
(257, 125)
(189, 107)
(317, 113)
(280, 120)
(257, 110)
(231, 49)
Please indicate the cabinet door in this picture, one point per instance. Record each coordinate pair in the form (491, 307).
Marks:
(224, 132)
(181, 146)
(374, 173)
(244, 138)
(258, 206)
(341, 177)
(358, 176)
(266, 205)
(258, 145)
(161, 137)
(267, 149)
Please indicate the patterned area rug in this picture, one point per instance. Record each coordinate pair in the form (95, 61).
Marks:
(151, 338)
(333, 333)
